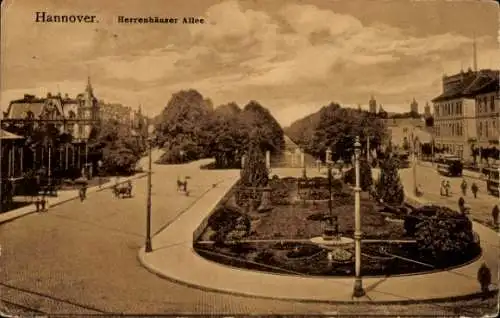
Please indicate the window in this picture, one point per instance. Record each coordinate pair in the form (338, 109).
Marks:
(486, 129)
(480, 129)
(492, 103)
(71, 114)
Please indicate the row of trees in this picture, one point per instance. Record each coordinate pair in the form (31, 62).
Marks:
(336, 127)
(189, 128)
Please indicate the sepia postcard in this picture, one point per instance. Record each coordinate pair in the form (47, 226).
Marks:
(249, 158)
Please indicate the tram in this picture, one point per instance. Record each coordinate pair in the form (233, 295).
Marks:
(450, 167)
(492, 181)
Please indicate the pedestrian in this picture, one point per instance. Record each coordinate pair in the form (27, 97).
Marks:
(83, 190)
(447, 188)
(441, 188)
(494, 214)
(461, 205)
(464, 187)
(484, 279)
(43, 203)
(475, 189)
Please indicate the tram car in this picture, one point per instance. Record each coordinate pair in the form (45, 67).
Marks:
(492, 180)
(450, 167)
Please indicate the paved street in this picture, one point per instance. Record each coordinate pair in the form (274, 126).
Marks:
(82, 258)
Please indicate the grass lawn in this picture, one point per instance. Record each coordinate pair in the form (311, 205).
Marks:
(297, 221)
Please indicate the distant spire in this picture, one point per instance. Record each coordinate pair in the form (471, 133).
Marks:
(89, 86)
(474, 53)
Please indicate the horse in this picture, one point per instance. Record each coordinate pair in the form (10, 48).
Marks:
(182, 185)
(123, 191)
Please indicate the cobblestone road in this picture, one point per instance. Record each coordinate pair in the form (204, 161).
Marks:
(81, 257)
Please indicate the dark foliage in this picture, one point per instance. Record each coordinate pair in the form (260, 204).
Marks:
(444, 236)
(366, 178)
(335, 127)
(255, 173)
(304, 250)
(389, 187)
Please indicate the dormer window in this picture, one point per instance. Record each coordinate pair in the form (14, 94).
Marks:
(71, 114)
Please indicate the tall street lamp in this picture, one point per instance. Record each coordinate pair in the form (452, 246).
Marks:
(149, 247)
(358, 283)
(414, 162)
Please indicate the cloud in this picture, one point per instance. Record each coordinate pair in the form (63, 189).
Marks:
(287, 57)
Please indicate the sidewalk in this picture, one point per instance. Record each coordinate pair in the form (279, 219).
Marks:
(176, 250)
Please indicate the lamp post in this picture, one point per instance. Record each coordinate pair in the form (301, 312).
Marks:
(331, 228)
(414, 162)
(358, 283)
(149, 247)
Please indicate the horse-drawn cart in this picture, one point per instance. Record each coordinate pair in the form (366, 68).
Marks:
(123, 190)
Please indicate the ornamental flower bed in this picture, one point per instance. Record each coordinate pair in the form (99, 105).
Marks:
(279, 241)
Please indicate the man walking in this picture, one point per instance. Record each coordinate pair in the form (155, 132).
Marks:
(463, 186)
(474, 188)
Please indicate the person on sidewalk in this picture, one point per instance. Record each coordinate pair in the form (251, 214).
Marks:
(83, 190)
(494, 215)
(442, 188)
(484, 279)
(43, 203)
(447, 188)
(461, 205)
(475, 189)
(463, 186)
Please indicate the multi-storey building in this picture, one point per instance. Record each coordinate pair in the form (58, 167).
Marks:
(487, 110)
(76, 116)
(464, 113)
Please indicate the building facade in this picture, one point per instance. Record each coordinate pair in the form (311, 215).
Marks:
(466, 113)
(75, 116)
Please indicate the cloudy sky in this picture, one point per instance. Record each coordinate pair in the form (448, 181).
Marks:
(291, 56)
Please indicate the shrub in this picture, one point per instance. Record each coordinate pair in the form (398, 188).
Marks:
(445, 237)
(242, 248)
(389, 186)
(265, 257)
(337, 186)
(280, 194)
(410, 224)
(365, 177)
(226, 220)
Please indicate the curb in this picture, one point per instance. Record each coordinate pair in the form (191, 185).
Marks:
(91, 190)
(153, 270)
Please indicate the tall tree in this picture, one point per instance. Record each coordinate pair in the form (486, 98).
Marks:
(255, 172)
(389, 187)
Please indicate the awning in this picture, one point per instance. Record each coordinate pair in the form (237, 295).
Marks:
(7, 135)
